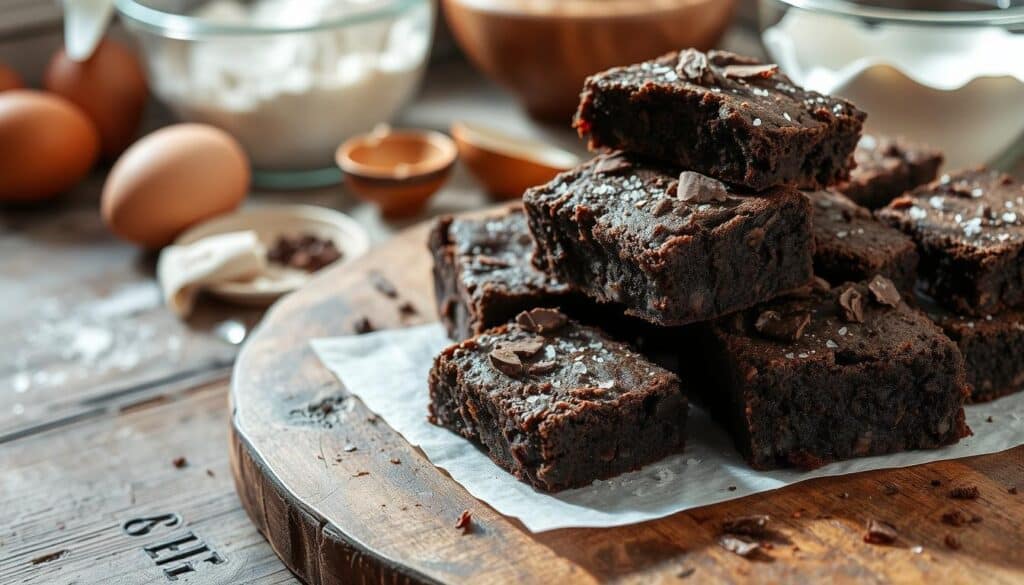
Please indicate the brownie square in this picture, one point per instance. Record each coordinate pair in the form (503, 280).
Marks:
(992, 348)
(850, 245)
(483, 276)
(888, 167)
(556, 403)
(724, 115)
(836, 373)
(625, 232)
(969, 229)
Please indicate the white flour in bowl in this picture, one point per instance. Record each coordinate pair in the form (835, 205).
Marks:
(291, 99)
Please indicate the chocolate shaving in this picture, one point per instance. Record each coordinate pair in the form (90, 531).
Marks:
(789, 327)
(698, 188)
(507, 362)
(465, 522)
(612, 164)
(965, 492)
(693, 65)
(753, 525)
(525, 348)
(541, 368)
(738, 546)
(880, 533)
(884, 291)
(763, 71)
(852, 304)
(541, 320)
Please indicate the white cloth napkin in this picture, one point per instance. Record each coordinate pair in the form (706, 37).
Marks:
(702, 475)
(184, 270)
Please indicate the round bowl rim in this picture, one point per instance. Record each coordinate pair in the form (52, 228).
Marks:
(846, 8)
(441, 140)
(581, 9)
(184, 27)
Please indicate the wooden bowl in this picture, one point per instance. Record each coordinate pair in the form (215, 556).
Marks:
(397, 170)
(507, 165)
(543, 51)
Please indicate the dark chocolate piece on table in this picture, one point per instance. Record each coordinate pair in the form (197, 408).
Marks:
(561, 405)
(886, 168)
(630, 239)
(863, 378)
(724, 115)
(969, 230)
(482, 272)
(850, 245)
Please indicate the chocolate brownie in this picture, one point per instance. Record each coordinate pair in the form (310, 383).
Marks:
(482, 272)
(992, 348)
(833, 374)
(850, 245)
(556, 403)
(969, 229)
(724, 115)
(672, 248)
(886, 168)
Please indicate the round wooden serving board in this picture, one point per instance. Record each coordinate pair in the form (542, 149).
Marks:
(342, 498)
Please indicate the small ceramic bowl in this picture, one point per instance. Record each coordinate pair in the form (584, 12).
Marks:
(271, 222)
(507, 165)
(398, 170)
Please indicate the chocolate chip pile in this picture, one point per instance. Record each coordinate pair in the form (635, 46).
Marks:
(307, 252)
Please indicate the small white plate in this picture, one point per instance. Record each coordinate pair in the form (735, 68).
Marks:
(270, 222)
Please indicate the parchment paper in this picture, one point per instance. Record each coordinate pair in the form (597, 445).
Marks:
(388, 371)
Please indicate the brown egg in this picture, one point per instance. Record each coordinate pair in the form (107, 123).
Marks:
(47, 145)
(110, 87)
(9, 78)
(172, 179)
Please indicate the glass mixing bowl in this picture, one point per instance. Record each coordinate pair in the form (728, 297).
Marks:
(945, 72)
(290, 80)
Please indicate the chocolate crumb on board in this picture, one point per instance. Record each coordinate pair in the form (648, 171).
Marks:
(360, 473)
(382, 284)
(879, 532)
(752, 525)
(732, 488)
(407, 309)
(210, 472)
(739, 546)
(395, 460)
(954, 518)
(952, 542)
(48, 557)
(989, 419)
(362, 325)
(965, 492)
(179, 462)
(465, 522)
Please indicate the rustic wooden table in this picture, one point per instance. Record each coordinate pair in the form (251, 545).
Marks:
(113, 413)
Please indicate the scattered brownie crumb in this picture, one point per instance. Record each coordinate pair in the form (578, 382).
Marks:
(326, 407)
(395, 460)
(307, 252)
(732, 488)
(954, 518)
(952, 542)
(48, 557)
(989, 419)
(965, 492)
(209, 472)
(1012, 490)
(465, 522)
(936, 483)
(360, 473)
(890, 489)
(752, 525)
(179, 462)
(741, 547)
(383, 285)
(880, 533)
(350, 448)
(362, 325)
(686, 572)
(407, 309)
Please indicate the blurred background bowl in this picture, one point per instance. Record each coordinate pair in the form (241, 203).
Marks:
(543, 50)
(290, 86)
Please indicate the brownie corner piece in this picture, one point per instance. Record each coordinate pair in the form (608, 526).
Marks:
(887, 167)
(482, 271)
(556, 403)
(671, 248)
(851, 245)
(969, 230)
(724, 115)
(833, 374)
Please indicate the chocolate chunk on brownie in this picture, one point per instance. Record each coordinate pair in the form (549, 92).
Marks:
(888, 167)
(482, 272)
(969, 229)
(992, 346)
(850, 245)
(672, 248)
(556, 403)
(837, 373)
(724, 115)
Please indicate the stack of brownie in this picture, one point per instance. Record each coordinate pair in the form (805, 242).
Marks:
(698, 231)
